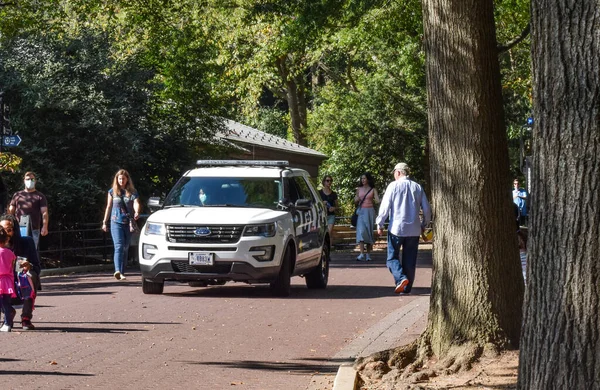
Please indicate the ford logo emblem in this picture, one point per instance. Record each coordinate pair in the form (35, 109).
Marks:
(202, 231)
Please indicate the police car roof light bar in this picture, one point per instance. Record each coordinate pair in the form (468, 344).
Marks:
(262, 163)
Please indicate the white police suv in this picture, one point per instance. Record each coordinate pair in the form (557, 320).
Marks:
(241, 221)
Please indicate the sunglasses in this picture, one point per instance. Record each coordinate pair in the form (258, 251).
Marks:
(327, 180)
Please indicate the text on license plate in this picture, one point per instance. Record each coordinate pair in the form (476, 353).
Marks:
(201, 258)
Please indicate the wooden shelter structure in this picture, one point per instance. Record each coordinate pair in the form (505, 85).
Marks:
(253, 144)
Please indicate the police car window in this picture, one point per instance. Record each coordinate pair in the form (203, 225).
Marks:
(225, 192)
(294, 191)
(305, 191)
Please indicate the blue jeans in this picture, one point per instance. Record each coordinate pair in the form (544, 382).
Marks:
(408, 267)
(121, 238)
(8, 309)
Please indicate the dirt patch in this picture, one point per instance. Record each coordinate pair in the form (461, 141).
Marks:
(496, 373)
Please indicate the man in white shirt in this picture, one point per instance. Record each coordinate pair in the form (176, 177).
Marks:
(402, 202)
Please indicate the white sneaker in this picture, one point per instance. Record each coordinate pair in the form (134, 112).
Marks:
(118, 275)
(123, 277)
(360, 257)
(369, 258)
(5, 328)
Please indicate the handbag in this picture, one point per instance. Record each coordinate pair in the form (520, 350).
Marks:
(354, 218)
(133, 226)
(18, 299)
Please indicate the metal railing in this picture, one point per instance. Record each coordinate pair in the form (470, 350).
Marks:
(86, 244)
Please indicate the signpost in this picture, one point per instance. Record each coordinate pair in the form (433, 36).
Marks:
(11, 140)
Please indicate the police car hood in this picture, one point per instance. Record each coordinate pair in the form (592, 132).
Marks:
(215, 215)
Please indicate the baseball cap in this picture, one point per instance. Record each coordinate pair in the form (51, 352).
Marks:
(401, 167)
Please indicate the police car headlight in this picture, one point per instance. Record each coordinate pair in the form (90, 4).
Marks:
(263, 230)
(155, 228)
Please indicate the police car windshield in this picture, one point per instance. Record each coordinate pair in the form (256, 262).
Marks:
(225, 192)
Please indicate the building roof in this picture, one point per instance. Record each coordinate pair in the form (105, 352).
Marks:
(239, 133)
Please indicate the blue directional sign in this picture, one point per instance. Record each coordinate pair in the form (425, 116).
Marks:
(11, 140)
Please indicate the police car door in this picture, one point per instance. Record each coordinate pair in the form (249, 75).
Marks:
(305, 224)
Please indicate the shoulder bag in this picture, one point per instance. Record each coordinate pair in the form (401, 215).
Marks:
(133, 226)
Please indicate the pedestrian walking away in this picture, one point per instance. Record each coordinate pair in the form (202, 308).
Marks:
(366, 197)
(31, 203)
(123, 208)
(329, 198)
(24, 249)
(7, 282)
(402, 202)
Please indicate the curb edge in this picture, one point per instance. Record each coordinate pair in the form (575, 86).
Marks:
(346, 378)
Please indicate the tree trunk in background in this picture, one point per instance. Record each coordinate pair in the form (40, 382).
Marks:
(560, 344)
(477, 286)
(294, 93)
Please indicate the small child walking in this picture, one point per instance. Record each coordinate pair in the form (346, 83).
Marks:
(7, 282)
(27, 294)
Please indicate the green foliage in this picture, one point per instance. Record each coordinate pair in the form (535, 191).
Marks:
(271, 120)
(9, 162)
(99, 85)
(512, 16)
(369, 113)
(83, 114)
(360, 132)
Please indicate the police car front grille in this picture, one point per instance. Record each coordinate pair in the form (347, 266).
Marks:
(218, 234)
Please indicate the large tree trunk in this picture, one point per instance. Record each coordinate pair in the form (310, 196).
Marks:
(477, 286)
(560, 343)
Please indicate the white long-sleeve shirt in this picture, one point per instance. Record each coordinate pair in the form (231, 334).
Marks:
(402, 201)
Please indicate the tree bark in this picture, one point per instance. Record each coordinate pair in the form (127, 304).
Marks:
(477, 286)
(560, 343)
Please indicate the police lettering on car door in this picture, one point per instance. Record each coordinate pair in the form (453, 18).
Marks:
(305, 219)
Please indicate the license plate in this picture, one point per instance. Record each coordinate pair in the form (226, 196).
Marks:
(201, 258)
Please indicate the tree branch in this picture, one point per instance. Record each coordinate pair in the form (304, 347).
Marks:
(510, 45)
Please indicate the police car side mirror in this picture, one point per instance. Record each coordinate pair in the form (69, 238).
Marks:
(303, 204)
(154, 203)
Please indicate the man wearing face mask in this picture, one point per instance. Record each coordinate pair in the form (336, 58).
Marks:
(33, 203)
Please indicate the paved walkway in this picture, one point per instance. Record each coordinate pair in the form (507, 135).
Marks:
(96, 332)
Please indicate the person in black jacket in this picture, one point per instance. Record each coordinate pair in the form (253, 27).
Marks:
(23, 247)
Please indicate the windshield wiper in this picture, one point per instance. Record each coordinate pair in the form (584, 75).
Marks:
(180, 205)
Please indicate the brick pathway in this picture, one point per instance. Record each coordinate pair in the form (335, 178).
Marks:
(97, 333)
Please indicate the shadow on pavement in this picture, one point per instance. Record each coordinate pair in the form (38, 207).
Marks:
(291, 367)
(53, 373)
(298, 292)
(66, 329)
(69, 292)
